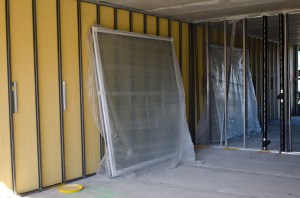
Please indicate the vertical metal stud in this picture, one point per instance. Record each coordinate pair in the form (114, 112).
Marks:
(145, 24)
(157, 26)
(245, 82)
(180, 43)
(287, 87)
(81, 88)
(98, 13)
(130, 22)
(191, 78)
(115, 18)
(282, 92)
(265, 141)
(226, 90)
(37, 100)
(169, 28)
(62, 142)
(10, 98)
(196, 77)
(207, 43)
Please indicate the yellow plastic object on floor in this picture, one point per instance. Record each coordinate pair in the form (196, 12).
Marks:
(70, 188)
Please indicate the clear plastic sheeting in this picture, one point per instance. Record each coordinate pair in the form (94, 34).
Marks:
(141, 107)
(235, 110)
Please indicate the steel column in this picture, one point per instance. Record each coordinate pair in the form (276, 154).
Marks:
(81, 88)
(37, 100)
(265, 140)
(10, 98)
(245, 82)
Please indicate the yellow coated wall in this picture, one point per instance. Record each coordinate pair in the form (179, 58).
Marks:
(22, 65)
(138, 23)
(5, 160)
(26, 120)
(92, 135)
(151, 25)
(123, 20)
(48, 92)
(70, 74)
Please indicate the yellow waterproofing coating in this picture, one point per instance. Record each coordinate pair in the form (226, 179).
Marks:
(5, 161)
(70, 74)
(92, 135)
(48, 93)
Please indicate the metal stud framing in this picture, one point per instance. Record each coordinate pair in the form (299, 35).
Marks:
(62, 141)
(37, 101)
(191, 107)
(265, 83)
(169, 28)
(115, 18)
(157, 26)
(130, 22)
(145, 23)
(192, 46)
(81, 88)
(207, 43)
(180, 43)
(226, 90)
(245, 80)
(282, 108)
(287, 88)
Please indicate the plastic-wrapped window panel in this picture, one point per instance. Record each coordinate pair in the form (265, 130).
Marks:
(141, 100)
(235, 98)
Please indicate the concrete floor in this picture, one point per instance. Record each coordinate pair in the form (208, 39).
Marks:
(273, 136)
(218, 173)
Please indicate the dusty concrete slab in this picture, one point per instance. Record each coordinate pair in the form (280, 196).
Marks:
(218, 173)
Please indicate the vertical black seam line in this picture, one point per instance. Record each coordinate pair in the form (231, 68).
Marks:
(145, 24)
(60, 90)
(295, 111)
(130, 22)
(9, 79)
(196, 63)
(115, 18)
(100, 138)
(265, 83)
(157, 26)
(245, 78)
(81, 88)
(169, 28)
(281, 57)
(191, 81)
(180, 44)
(37, 99)
(98, 13)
